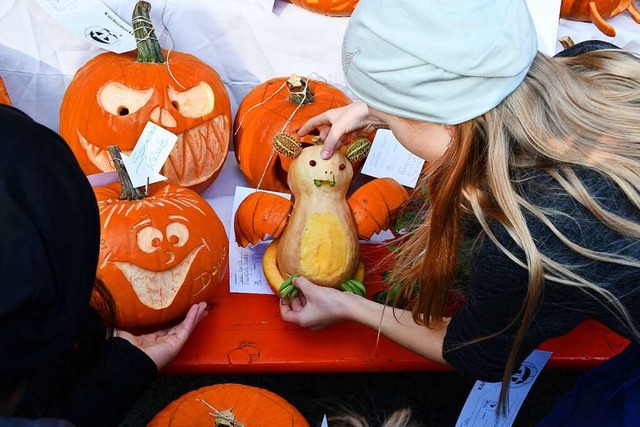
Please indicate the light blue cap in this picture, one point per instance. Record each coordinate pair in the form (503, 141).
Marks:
(441, 61)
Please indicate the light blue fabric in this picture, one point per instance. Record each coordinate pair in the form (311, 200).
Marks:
(442, 61)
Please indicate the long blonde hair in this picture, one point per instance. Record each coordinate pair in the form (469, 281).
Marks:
(582, 111)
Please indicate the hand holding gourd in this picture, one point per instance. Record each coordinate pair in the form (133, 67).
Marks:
(337, 123)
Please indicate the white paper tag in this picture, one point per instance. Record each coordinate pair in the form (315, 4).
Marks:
(245, 264)
(480, 409)
(325, 423)
(389, 159)
(93, 21)
(149, 154)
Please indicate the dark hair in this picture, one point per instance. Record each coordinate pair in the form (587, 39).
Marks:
(23, 395)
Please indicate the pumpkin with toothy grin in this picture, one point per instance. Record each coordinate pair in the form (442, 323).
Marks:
(112, 97)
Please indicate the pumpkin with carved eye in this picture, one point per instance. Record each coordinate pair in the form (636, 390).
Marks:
(279, 106)
(113, 96)
(328, 7)
(4, 95)
(159, 255)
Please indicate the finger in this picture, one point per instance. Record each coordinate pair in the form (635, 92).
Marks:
(332, 142)
(296, 304)
(314, 123)
(302, 283)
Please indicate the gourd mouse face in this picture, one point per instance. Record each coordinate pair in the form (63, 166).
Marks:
(310, 173)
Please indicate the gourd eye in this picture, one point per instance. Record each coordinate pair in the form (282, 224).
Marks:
(312, 162)
(342, 166)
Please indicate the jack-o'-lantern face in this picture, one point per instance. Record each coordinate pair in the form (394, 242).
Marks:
(159, 255)
(112, 97)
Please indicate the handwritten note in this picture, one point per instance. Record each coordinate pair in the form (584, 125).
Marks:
(93, 21)
(389, 159)
(149, 155)
(480, 409)
(245, 264)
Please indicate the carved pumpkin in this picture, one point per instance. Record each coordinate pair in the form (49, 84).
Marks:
(159, 254)
(268, 110)
(328, 7)
(112, 97)
(597, 12)
(229, 405)
(4, 95)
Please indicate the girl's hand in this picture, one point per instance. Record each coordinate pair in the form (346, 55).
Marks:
(163, 345)
(335, 125)
(315, 307)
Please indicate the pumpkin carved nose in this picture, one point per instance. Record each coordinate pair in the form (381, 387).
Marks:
(162, 117)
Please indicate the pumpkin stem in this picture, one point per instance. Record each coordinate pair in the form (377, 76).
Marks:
(148, 46)
(129, 192)
(299, 92)
(566, 42)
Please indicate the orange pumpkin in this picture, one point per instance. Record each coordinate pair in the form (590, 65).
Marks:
(159, 254)
(4, 95)
(328, 7)
(376, 204)
(229, 405)
(597, 11)
(112, 97)
(268, 110)
(260, 214)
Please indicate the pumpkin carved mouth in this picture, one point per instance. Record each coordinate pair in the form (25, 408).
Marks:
(196, 156)
(157, 289)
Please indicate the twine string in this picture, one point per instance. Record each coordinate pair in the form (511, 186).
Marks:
(222, 415)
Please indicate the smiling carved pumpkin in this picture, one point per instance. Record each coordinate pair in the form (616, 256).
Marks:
(113, 96)
(159, 255)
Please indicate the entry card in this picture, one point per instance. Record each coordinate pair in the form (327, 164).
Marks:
(149, 155)
(389, 159)
(480, 409)
(245, 264)
(93, 21)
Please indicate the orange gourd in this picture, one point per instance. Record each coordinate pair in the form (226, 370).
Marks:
(260, 214)
(4, 95)
(159, 254)
(375, 204)
(113, 96)
(229, 405)
(328, 7)
(597, 11)
(268, 110)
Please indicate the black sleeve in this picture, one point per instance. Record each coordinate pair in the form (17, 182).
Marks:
(104, 397)
(481, 332)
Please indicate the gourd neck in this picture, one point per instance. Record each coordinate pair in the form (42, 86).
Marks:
(149, 49)
(129, 192)
(299, 91)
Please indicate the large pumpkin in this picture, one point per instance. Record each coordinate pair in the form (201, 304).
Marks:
(597, 11)
(278, 106)
(160, 254)
(4, 95)
(229, 405)
(112, 97)
(328, 7)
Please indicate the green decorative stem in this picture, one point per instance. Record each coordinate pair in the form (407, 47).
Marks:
(148, 46)
(299, 92)
(129, 192)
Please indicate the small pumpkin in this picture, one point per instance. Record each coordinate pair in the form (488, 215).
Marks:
(229, 405)
(159, 253)
(598, 11)
(280, 107)
(4, 95)
(328, 7)
(113, 96)
(375, 205)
